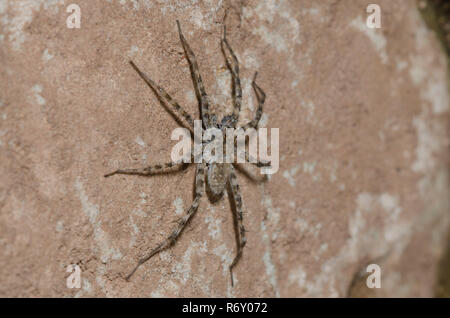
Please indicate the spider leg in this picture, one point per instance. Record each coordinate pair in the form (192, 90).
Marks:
(261, 97)
(168, 242)
(174, 107)
(159, 168)
(256, 162)
(233, 66)
(235, 190)
(197, 79)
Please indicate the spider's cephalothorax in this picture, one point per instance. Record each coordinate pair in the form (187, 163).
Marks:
(218, 175)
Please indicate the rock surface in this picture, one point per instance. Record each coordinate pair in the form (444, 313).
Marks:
(364, 149)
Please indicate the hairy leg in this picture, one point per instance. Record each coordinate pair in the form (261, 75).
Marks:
(197, 79)
(199, 186)
(233, 66)
(256, 162)
(158, 168)
(173, 106)
(236, 192)
(261, 97)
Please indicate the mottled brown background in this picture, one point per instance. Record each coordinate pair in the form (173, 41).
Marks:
(364, 149)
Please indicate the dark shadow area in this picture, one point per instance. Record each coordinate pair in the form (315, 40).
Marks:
(443, 279)
(436, 14)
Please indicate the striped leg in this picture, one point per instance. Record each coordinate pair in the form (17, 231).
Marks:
(160, 168)
(258, 163)
(197, 79)
(235, 190)
(173, 106)
(261, 97)
(233, 66)
(251, 160)
(199, 185)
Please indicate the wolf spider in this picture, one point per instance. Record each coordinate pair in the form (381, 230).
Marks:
(218, 174)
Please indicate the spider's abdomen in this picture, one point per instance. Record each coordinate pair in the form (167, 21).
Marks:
(217, 178)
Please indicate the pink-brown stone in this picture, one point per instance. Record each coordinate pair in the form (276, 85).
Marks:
(364, 149)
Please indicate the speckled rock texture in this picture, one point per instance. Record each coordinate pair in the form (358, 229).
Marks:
(364, 149)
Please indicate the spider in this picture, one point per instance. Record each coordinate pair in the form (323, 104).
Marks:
(218, 175)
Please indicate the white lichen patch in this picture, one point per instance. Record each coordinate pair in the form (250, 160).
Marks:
(59, 227)
(431, 79)
(135, 231)
(22, 12)
(143, 197)
(376, 37)
(139, 141)
(214, 223)
(197, 18)
(313, 11)
(247, 94)
(136, 4)
(103, 242)
(309, 107)
(298, 276)
(285, 37)
(222, 89)
(433, 87)
(289, 32)
(86, 288)
(290, 175)
(37, 90)
(309, 167)
(273, 214)
(250, 61)
(431, 139)
(226, 258)
(190, 96)
(330, 280)
(401, 65)
(46, 56)
(183, 269)
(3, 6)
(276, 40)
(178, 204)
(133, 51)
(271, 271)
(139, 212)
(390, 204)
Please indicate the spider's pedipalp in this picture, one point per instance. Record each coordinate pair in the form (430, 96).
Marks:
(236, 192)
(199, 186)
(174, 107)
(158, 168)
(261, 97)
(196, 78)
(233, 66)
